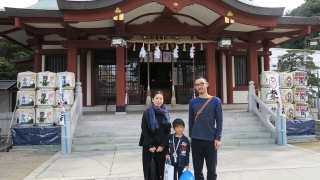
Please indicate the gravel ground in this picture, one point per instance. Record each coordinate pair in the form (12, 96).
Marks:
(18, 165)
(312, 146)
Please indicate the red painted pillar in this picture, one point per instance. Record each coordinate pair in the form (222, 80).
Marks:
(72, 59)
(211, 68)
(266, 60)
(37, 59)
(83, 75)
(120, 79)
(229, 79)
(253, 66)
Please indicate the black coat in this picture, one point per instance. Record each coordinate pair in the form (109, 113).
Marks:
(149, 139)
(160, 137)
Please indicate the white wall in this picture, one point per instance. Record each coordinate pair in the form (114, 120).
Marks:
(240, 96)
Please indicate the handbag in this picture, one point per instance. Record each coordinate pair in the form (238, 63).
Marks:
(168, 170)
(201, 109)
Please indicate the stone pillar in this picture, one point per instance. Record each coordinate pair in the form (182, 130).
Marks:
(250, 99)
(66, 140)
(230, 71)
(80, 96)
(211, 68)
(120, 80)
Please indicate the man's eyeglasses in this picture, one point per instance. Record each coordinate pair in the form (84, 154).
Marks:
(200, 84)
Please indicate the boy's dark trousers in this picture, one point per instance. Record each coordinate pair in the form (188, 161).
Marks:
(203, 149)
(177, 170)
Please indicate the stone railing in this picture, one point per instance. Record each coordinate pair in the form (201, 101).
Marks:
(72, 116)
(264, 112)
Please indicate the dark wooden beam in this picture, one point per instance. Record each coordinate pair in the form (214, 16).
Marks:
(217, 26)
(21, 25)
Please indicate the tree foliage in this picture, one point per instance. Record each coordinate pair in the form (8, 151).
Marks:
(297, 60)
(311, 8)
(300, 60)
(9, 50)
(8, 70)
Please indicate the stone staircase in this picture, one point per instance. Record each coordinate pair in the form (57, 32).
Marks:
(110, 132)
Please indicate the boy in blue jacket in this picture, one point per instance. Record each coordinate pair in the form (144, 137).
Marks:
(178, 148)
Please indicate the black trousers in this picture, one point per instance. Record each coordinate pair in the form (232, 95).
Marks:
(203, 149)
(178, 170)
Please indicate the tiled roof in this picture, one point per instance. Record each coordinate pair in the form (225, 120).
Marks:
(254, 9)
(45, 5)
(7, 84)
(82, 5)
(298, 20)
(43, 8)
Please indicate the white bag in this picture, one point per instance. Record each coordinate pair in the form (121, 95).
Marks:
(168, 170)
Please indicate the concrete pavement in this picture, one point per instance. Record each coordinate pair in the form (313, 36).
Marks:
(234, 162)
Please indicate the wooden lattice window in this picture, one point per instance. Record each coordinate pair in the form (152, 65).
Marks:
(56, 63)
(107, 77)
(240, 71)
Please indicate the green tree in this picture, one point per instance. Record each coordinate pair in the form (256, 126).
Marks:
(300, 60)
(297, 60)
(9, 50)
(311, 8)
(8, 70)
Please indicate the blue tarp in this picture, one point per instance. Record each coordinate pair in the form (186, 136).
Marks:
(300, 127)
(36, 135)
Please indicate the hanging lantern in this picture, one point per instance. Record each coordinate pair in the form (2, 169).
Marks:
(118, 41)
(225, 41)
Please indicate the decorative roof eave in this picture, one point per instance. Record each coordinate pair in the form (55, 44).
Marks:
(16, 12)
(266, 11)
(85, 5)
(298, 20)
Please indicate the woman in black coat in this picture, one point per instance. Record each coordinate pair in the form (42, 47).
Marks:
(156, 129)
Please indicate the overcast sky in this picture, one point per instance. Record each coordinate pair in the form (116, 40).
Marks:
(289, 4)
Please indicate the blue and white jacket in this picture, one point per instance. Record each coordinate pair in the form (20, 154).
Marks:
(183, 150)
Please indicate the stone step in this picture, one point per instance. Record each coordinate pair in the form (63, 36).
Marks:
(245, 135)
(244, 142)
(104, 147)
(122, 125)
(137, 116)
(36, 148)
(132, 122)
(134, 146)
(100, 131)
(121, 140)
(106, 140)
